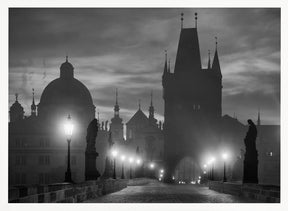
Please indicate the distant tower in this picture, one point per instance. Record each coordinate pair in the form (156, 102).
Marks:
(192, 101)
(116, 125)
(152, 120)
(33, 106)
(16, 110)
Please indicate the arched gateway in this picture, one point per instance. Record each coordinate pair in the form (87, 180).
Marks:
(193, 103)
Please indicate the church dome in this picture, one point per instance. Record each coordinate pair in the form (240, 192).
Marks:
(65, 91)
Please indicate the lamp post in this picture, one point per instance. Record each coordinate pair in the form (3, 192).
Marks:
(123, 159)
(131, 160)
(212, 168)
(68, 127)
(114, 154)
(224, 156)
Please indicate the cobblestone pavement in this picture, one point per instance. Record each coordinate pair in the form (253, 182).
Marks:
(156, 192)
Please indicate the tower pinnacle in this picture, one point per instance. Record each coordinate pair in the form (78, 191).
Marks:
(196, 20)
(33, 106)
(182, 18)
(139, 104)
(116, 107)
(209, 62)
(16, 97)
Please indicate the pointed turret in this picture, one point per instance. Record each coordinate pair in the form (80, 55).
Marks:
(216, 63)
(116, 107)
(169, 66)
(209, 62)
(165, 65)
(33, 106)
(139, 104)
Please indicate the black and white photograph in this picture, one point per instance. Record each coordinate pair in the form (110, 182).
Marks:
(157, 105)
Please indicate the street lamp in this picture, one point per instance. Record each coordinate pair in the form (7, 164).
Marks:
(114, 154)
(131, 160)
(152, 165)
(123, 159)
(212, 167)
(68, 128)
(224, 156)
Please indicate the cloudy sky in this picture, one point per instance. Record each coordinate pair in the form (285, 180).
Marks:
(124, 48)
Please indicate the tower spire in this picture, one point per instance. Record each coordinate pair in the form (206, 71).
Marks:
(216, 63)
(33, 106)
(169, 66)
(196, 20)
(165, 64)
(139, 104)
(151, 110)
(209, 62)
(16, 97)
(116, 107)
(182, 18)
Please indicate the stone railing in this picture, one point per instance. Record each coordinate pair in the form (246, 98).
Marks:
(263, 193)
(65, 192)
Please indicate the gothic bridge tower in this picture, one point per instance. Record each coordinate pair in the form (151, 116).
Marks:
(192, 101)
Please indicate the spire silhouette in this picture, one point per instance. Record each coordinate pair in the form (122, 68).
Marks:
(209, 62)
(33, 106)
(169, 66)
(196, 19)
(16, 97)
(182, 18)
(116, 106)
(165, 64)
(216, 63)
(139, 104)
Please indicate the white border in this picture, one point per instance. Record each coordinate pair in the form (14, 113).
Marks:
(125, 3)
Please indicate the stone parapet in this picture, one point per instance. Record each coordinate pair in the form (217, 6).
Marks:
(263, 193)
(65, 192)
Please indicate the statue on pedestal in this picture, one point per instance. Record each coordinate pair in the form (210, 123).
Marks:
(108, 171)
(91, 172)
(250, 171)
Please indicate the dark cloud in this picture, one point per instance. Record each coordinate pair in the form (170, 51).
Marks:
(124, 48)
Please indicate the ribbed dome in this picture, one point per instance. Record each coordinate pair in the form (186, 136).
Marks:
(66, 91)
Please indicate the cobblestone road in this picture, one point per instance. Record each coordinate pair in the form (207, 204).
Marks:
(156, 192)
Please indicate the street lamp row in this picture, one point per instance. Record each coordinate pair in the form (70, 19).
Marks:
(131, 160)
(211, 162)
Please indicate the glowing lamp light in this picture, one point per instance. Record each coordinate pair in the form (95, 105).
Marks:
(161, 175)
(212, 160)
(162, 171)
(131, 160)
(68, 127)
(114, 153)
(205, 166)
(204, 172)
(138, 161)
(224, 156)
(152, 165)
(123, 157)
